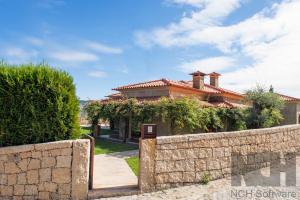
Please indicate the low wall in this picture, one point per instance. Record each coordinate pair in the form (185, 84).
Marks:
(55, 170)
(181, 160)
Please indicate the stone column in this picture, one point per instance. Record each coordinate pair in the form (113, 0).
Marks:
(80, 169)
(147, 165)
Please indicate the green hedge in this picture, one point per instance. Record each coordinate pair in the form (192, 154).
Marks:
(37, 104)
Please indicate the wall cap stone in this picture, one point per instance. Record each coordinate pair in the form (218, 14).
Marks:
(54, 145)
(16, 149)
(244, 133)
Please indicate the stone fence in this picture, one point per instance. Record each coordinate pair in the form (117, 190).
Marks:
(173, 161)
(55, 170)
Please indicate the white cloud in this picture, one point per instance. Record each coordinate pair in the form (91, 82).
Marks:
(208, 65)
(270, 39)
(73, 56)
(102, 48)
(97, 74)
(208, 13)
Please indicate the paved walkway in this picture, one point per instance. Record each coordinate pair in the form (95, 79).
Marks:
(111, 170)
(222, 190)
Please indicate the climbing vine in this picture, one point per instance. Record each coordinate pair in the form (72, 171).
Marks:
(182, 114)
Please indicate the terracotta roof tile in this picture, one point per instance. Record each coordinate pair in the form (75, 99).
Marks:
(185, 84)
(288, 98)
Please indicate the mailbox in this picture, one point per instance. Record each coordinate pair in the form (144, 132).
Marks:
(149, 131)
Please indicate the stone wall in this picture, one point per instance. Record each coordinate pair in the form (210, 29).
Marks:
(55, 170)
(187, 159)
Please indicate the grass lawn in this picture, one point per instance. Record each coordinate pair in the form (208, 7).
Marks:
(87, 130)
(105, 147)
(134, 164)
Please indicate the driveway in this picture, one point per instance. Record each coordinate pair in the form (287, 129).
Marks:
(222, 189)
(111, 170)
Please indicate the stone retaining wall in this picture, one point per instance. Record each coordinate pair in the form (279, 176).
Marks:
(186, 159)
(55, 170)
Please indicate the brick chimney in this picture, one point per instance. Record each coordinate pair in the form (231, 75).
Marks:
(198, 80)
(214, 79)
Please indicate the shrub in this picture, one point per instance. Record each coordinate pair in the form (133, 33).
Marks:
(38, 104)
(265, 110)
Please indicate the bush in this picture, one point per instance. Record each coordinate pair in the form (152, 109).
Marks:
(38, 104)
(265, 110)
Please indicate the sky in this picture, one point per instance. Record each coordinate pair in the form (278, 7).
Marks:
(108, 43)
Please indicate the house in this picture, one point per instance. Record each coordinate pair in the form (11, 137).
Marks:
(210, 95)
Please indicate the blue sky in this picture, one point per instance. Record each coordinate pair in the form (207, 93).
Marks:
(104, 44)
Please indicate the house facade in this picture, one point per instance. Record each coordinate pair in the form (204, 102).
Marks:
(209, 94)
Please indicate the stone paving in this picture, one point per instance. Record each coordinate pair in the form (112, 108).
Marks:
(111, 170)
(221, 189)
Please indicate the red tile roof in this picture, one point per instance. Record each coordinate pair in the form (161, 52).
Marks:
(184, 84)
(288, 98)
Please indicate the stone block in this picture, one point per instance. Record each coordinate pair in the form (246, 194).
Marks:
(184, 165)
(48, 187)
(34, 164)
(64, 189)
(54, 152)
(164, 166)
(66, 152)
(3, 179)
(63, 161)
(36, 154)
(200, 165)
(44, 195)
(161, 178)
(45, 175)
(33, 177)
(31, 190)
(54, 145)
(3, 157)
(21, 178)
(61, 175)
(19, 190)
(234, 141)
(213, 164)
(218, 152)
(31, 197)
(204, 152)
(25, 154)
(11, 179)
(11, 168)
(175, 177)
(6, 190)
(189, 177)
(23, 164)
(192, 153)
(16, 149)
(48, 162)
(1, 166)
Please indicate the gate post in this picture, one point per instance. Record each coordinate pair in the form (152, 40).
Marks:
(147, 158)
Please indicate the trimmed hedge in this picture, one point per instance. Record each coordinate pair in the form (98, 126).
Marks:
(37, 104)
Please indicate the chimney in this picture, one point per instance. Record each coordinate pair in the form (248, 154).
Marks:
(214, 79)
(198, 80)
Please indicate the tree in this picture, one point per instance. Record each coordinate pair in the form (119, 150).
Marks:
(265, 109)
